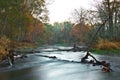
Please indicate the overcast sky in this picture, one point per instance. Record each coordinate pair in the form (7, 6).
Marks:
(60, 10)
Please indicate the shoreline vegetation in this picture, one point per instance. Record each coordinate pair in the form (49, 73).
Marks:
(106, 52)
(103, 46)
(6, 45)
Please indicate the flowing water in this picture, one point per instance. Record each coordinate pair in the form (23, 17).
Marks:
(58, 65)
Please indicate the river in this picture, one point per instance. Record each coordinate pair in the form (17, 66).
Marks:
(58, 65)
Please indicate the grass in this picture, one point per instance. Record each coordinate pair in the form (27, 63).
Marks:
(112, 51)
(105, 46)
(61, 44)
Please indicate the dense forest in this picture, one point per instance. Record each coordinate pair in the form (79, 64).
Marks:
(28, 21)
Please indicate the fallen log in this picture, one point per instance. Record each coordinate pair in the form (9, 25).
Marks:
(106, 66)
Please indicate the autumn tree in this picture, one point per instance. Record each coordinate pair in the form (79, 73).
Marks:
(84, 20)
(16, 16)
(37, 8)
(80, 33)
(13, 17)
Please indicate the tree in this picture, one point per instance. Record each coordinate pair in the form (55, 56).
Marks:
(81, 32)
(38, 9)
(49, 31)
(109, 10)
(12, 16)
(33, 32)
(79, 15)
(62, 32)
(15, 17)
(67, 26)
(84, 19)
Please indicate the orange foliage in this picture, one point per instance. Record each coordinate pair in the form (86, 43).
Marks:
(80, 30)
(35, 27)
(39, 28)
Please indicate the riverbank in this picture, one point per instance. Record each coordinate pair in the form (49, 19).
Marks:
(112, 52)
(6, 45)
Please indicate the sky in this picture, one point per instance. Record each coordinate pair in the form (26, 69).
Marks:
(61, 10)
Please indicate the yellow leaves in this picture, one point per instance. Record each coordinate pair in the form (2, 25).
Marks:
(3, 51)
(4, 41)
(4, 44)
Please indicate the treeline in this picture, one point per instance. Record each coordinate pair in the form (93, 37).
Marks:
(67, 33)
(105, 16)
(27, 21)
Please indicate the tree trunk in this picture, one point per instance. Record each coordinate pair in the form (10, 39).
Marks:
(4, 27)
(110, 19)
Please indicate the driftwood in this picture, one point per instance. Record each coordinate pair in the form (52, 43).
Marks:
(10, 57)
(106, 66)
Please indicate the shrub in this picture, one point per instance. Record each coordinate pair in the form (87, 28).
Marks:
(4, 44)
(105, 44)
